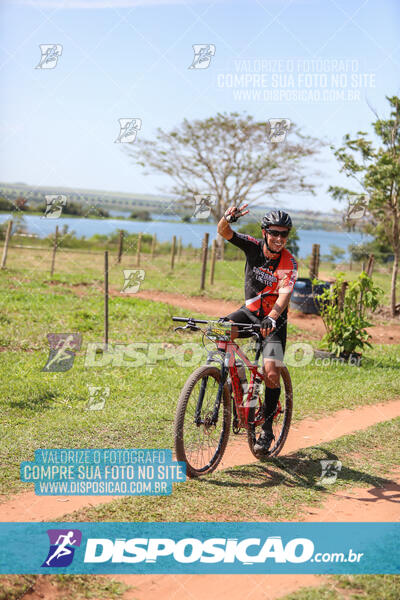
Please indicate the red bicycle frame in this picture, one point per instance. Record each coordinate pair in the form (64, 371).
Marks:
(231, 349)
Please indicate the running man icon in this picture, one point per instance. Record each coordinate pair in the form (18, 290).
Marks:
(61, 550)
(63, 347)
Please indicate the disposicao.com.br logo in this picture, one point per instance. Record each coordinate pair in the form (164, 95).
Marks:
(213, 550)
(203, 547)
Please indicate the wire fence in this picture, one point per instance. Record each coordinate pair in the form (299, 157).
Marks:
(139, 249)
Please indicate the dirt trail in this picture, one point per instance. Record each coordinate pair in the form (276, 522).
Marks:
(316, 431)
(29, 507)
(313, 324)
(214, 587)
(359, 504)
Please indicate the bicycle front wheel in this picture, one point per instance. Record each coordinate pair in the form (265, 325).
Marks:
(281, 422)
(198, 441)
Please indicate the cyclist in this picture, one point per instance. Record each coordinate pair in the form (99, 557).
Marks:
(272, 270)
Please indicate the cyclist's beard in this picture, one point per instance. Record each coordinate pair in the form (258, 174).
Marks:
(270, 249)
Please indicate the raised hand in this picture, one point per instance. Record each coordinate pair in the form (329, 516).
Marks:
(233, 213)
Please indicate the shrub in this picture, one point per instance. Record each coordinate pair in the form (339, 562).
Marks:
(343, 310)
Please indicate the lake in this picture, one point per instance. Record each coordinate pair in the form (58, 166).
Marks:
(190, 233)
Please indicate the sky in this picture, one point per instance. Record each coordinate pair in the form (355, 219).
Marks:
(330, 63)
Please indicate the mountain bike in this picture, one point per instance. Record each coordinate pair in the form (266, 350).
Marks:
(215, 390)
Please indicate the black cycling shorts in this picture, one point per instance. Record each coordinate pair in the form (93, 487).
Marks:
(274, 344)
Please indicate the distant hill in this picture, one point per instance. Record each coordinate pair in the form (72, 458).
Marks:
(104, 199)
(151, 202)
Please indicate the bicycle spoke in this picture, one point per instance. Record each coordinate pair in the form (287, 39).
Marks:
(281, 421)
(200, 441)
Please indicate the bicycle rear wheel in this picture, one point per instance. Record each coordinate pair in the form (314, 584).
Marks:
(281, 422)
(197, 441)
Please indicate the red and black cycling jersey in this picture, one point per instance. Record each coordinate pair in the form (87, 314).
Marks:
(264, 275)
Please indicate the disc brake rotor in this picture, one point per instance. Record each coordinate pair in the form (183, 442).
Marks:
(207, 423)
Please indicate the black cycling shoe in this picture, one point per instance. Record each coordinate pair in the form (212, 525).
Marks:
(264, 442)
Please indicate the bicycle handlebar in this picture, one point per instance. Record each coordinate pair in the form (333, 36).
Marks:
(247, 326)
(186, 319)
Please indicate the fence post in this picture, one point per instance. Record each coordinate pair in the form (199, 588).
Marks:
(342, 294)
(213, 256)
(204, 260)
(173, 251)
(121, 245)
(153, 245)
(6, 242)
(53, 258)
(179, 248)
(314, 263)
(106, 299)
(370, 265)
(220, 247)
(139, 245)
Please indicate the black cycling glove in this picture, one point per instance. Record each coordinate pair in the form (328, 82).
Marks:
(232, 214)
(268, 323)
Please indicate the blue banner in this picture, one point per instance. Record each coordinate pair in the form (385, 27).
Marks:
(186, 548)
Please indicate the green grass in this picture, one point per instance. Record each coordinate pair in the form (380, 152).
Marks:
(78, 587)
(46, 410)
(352, 587)
(184, 279)
(280, 489)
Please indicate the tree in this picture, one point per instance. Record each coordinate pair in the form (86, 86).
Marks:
(21, 203)
(3, 229)
(378, 247)
(73, 208)
(229, 157)
(140, 215)
(6, 205)
(292, 244)
(377, 172)
(336, 253)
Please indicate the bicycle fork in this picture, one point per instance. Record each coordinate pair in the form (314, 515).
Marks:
(224, 374)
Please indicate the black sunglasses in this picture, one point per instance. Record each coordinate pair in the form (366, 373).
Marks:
(275, 233)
